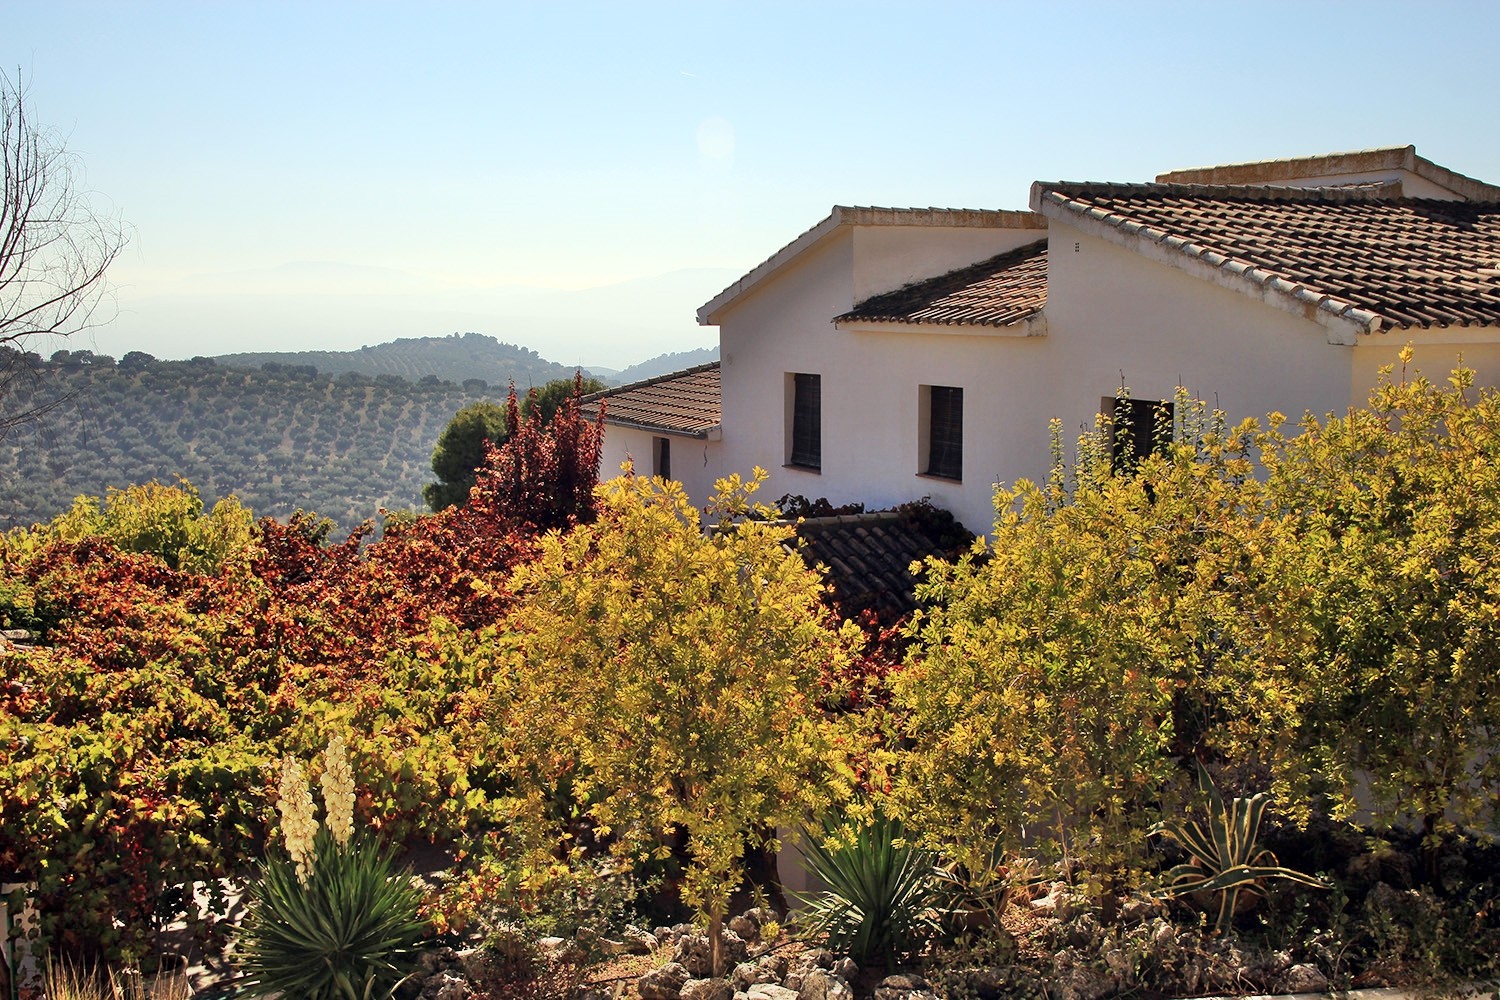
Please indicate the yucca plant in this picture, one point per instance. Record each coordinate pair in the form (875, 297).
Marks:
(1226, 858)
(333, 919)
(882, 890)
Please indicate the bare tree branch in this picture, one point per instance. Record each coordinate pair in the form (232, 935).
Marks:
(55, 245)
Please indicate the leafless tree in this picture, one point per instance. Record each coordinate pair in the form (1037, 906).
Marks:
(55, 247)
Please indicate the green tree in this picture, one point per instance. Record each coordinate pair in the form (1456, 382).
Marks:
(461, 450)
(664, 679)
(544, 402)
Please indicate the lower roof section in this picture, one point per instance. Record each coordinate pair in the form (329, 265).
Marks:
(685, 403)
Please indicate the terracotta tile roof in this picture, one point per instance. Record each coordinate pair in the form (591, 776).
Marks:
(1002, 290)
(684, 403)
(868, 557)
(1357, 253)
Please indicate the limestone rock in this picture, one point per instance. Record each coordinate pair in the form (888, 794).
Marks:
(823, 985)
(1304, 978)
(747, 974)
(770, 991)
(707, 989)
(696, 955)
(665, 983)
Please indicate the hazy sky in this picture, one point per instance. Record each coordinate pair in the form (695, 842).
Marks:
(334, 174)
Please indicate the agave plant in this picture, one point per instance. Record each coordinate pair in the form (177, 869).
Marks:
(1226, 858)
(881, 894)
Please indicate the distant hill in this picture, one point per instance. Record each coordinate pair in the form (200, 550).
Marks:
(662, 364)
(456, 358)
(281, 438)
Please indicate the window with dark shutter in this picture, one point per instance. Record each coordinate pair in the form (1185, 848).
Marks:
(945, 432)
(1139, 427)
(807, 421)
(661, 457)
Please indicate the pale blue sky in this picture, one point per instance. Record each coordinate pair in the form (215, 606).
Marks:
(333, 174)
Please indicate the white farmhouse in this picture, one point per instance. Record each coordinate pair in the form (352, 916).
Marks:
(891, 354)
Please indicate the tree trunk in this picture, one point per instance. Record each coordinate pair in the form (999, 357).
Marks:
(716, 940)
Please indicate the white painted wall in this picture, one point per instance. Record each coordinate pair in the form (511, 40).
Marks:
(1111, 315)
(889, 257)
(1435, 353)
(696, 463)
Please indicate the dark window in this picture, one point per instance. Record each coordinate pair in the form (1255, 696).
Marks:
(661, 457)
(945, 432)
(807, 421)
(1139, 427)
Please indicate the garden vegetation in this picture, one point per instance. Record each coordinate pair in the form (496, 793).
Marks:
(1300, 617)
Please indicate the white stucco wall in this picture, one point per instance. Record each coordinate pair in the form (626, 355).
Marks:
(889, 257)
(1435, 353)
(871, 381)
(1113, 314)
(696, 463)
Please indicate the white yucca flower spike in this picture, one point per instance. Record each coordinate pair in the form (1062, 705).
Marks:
(298, 825)
(338, 791)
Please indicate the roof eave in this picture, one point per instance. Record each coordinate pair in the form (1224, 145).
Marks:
(1034, 325)
(712, 432)
(708, 312)
(1342, 320)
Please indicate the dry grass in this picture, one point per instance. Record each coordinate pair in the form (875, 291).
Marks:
(62, 980)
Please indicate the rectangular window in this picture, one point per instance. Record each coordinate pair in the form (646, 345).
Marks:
(805, 447)
(661, 457)
(945, 432)
(1138, 427)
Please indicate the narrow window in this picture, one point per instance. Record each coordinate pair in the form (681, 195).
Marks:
(1138, 428)
(806, 445)
(945, 432)
(661, 457)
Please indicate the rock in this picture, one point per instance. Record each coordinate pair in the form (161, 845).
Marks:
(663, 934)
(770, 991)
(823, 985)
(1137, 910)
(845, 968)
(638, 942)
(982, 983)
(1083, 931)
(776, 964)
(707, 989)
(745, 926)
(820, 957)
(695, 954)
(904, 987)
(665, 983)
(1304, 978)
(747, 974)
(558, 949)
(1086, 982)
(450, 987)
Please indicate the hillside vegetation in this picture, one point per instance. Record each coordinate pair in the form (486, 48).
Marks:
(664, 364)
(456, 358)
(281, 438)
